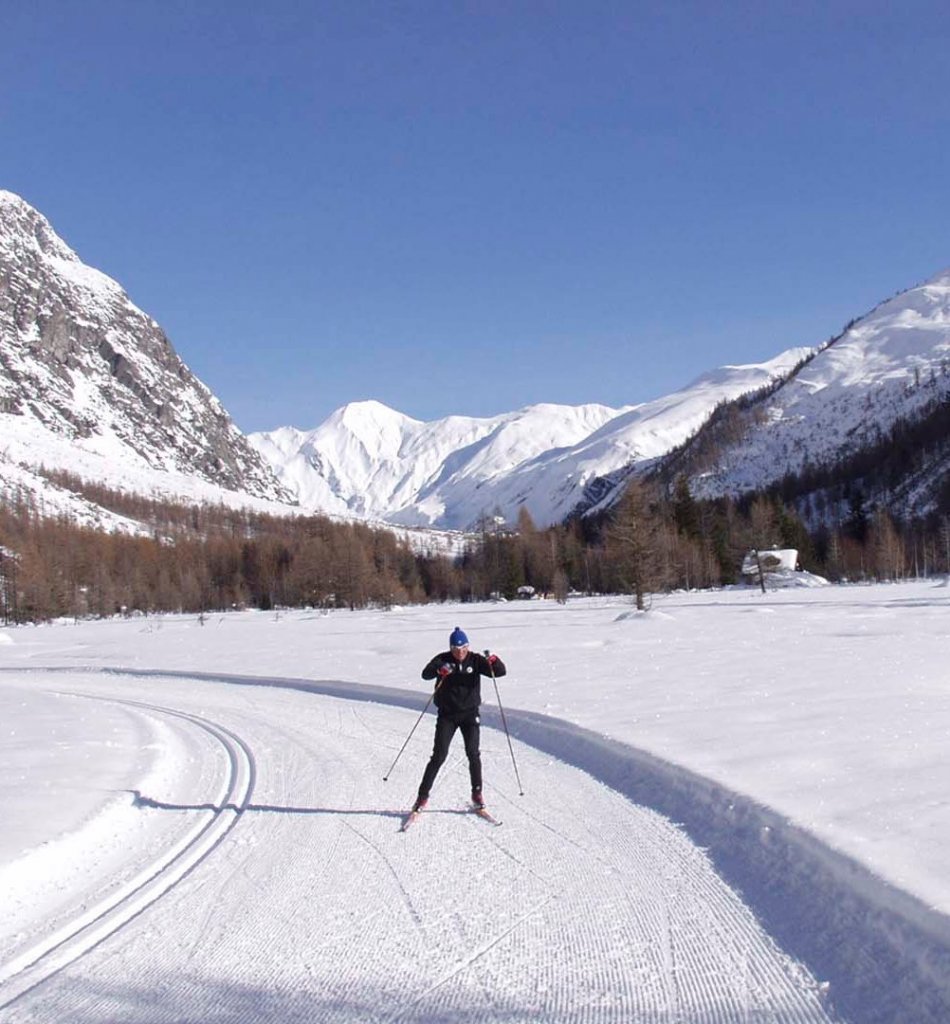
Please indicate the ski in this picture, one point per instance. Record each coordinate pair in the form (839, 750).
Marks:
(485, 815)
(411, 818)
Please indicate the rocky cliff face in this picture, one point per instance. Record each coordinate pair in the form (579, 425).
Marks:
(78, 360)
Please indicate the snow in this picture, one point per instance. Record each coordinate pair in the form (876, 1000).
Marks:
(28, 445)
(800, 736)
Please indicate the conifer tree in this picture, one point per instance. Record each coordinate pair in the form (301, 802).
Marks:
(634, 543)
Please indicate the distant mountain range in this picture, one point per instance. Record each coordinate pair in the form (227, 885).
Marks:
(89, 383)
(449, 473)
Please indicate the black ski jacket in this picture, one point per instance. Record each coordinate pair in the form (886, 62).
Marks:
(460, 693)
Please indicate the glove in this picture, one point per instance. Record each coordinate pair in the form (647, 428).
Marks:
(492, 658)
(443, 671)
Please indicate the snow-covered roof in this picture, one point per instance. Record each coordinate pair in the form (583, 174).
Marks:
(771, 560)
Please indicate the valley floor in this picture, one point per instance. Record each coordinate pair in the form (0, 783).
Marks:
(196, 826)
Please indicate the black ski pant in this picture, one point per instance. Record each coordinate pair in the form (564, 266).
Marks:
(445, 726)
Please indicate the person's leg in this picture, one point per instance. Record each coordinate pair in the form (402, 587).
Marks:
(470, 733)
(444, 731)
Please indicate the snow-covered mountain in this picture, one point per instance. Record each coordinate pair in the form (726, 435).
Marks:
(90, 383)
(370, 460)
(807, 407)
(890, 366)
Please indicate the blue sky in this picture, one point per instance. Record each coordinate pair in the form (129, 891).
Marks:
(461, 207)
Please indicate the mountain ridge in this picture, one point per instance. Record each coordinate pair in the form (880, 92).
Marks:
(90, 383)
(82, 367)
(885, 367)
(450, 473)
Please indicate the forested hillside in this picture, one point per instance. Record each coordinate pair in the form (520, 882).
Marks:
(204, 559)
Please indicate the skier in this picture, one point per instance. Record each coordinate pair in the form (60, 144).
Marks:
(458, 694)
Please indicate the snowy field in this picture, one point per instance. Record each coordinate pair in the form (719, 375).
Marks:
(735, 809)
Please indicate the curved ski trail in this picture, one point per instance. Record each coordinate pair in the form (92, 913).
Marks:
(583, 908)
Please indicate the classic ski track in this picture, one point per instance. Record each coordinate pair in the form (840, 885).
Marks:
(29, 969)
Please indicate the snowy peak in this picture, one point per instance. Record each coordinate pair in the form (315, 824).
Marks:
(369, 417)
(378, 431)
(27, 237)
(892, 344)
(369, 460)
(26, 229)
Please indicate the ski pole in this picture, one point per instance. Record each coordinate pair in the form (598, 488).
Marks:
(504, 722)
(411, 731)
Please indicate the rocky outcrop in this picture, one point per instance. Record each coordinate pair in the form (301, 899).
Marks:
(80, 358)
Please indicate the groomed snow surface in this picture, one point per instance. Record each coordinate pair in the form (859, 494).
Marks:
(734, 810)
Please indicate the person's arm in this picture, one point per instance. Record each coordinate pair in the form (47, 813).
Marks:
(437, 667)
(491, 665)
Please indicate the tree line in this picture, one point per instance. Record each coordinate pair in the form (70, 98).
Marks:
(202, 558)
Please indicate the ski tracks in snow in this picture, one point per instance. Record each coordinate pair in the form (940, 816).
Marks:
(51, 953)
(312, 906)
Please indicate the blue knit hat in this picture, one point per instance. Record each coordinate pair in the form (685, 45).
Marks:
(458, 638)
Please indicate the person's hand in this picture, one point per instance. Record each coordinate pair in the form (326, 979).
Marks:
(492, 658)
(444, 670)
